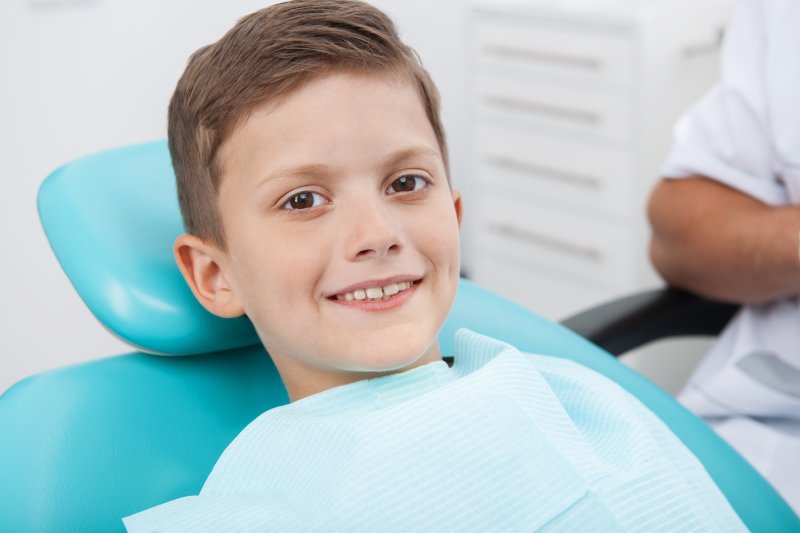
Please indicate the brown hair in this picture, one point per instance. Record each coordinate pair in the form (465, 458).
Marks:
(265, 56)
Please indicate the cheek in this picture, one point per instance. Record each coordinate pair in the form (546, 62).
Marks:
(280, 300)
(441, 234)
(282, 279)
(269, 274)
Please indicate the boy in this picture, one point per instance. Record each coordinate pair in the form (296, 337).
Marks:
(312, 175)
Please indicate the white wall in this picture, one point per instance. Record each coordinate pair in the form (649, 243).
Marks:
(78, 76)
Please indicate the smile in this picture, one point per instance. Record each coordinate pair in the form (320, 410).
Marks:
(375, 294)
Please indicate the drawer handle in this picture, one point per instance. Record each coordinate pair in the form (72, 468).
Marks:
(546, 241)
(539, 56)
(708, 47)
(700, 49)
(544, 172)
(516, 104)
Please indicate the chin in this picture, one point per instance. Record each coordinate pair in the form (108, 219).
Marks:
(390, 360)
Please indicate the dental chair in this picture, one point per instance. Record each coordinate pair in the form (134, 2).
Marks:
(85, 445)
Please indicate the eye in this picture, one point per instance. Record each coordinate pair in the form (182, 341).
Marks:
(304, 200)
(407, 183)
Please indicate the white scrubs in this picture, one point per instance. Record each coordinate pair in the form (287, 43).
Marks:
(745, 133)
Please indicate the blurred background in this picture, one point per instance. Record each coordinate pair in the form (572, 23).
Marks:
(558, 115)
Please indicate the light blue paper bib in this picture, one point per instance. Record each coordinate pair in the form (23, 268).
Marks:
(502, 441)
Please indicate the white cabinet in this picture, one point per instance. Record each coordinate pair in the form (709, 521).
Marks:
(573, 104)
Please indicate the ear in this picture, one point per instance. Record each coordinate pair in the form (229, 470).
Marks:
(457, 204)
(201, 266)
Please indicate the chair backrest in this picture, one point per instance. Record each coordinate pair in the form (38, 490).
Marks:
(83, 446)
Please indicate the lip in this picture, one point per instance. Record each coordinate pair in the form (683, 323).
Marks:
(363, 285)
(393, 302)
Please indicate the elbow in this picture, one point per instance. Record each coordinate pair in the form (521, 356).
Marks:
(658, 249)
(669, 261)
(660, 255)
(670, 237)
(680, 274)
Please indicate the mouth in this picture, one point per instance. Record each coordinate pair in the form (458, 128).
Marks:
(376, 291)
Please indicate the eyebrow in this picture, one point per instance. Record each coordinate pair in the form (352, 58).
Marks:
(410, 153)
(319, 170)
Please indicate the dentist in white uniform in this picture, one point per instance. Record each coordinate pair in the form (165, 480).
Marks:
(726, 224)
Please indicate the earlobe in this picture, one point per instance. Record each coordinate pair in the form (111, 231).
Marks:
(199, 262)
(457, 205)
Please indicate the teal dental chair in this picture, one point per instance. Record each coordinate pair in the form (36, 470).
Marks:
(83, 446)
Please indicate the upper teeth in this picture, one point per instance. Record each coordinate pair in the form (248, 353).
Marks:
(375, 293)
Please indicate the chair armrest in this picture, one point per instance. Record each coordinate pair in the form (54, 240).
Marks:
(632, 321)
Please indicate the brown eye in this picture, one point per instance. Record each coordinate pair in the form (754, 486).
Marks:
(407, 183)
(304, 200)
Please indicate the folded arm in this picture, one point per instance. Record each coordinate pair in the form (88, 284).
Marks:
(723, 244)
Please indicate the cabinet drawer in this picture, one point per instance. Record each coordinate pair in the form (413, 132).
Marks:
(544, 49)
(591, 177)
(570, 110)
(551, 296)
(564, 241)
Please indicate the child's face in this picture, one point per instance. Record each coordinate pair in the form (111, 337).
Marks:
(337, 191)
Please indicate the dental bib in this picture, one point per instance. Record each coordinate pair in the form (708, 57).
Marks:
(501, 441)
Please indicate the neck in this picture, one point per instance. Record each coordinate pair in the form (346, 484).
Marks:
(302, 379)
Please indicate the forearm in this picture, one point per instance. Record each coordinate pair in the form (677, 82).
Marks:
(723, 244)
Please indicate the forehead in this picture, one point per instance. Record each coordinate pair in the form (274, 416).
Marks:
(341, 118)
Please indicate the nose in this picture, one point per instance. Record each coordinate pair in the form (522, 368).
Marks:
(373, 232)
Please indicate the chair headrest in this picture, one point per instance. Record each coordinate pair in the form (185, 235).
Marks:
(111, 219)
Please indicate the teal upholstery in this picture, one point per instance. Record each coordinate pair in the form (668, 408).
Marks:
(111, 219)
(83, 446)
